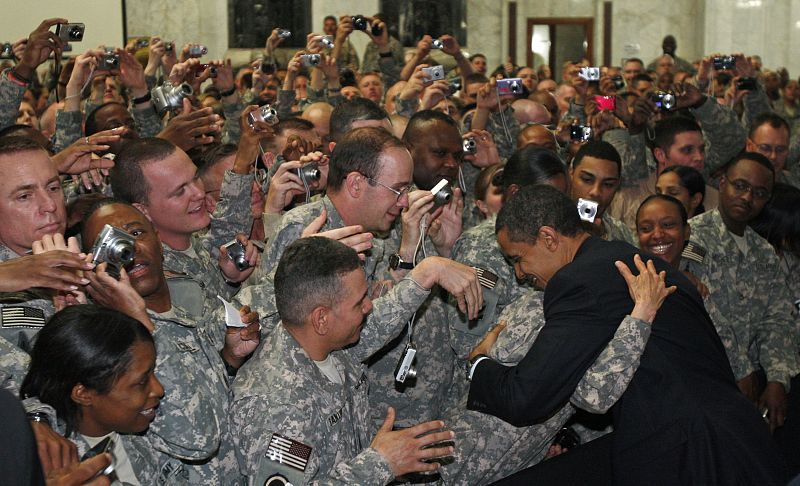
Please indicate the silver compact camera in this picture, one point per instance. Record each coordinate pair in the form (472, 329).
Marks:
(470, 146)
(115, 247)
(308, 173)
(198, 51)
(310, 60)
(455, 86)
(433, 73)
(724, 62)
(284, 33)
(7, 52)
(108, 61)
(168, 98)
(70, 32)
(437, 44)
(510, 86)
(590, 73)
(663, 100)
(266, 114)
(587, 210)
(442, 193)
(237, 252)
(327, 41)
(405, 367)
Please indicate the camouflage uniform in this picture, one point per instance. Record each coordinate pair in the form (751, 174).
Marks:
(348, 57)
(477, 247)
(488, 448)
(10, 98)
(615, 230)
(232, 132)
(201, 269)
(281, 390)
(69, 128)
(37, 303)
(760, 315)
(146, 121)
(373, 62)
(191, 422)
(13, 366)
(505, 130)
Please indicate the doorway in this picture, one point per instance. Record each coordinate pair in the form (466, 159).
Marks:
(555, 41)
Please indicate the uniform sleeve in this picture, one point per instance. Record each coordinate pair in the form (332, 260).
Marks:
(755, 103)
(233, 213)
(10, 98)
(608, 377)
(632, 150)
(147, 121)
(232, 132)
(68, 129)
(724, 134)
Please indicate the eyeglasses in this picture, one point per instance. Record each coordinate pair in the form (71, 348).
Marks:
(768, 149)
(741, 187)
(403, 191)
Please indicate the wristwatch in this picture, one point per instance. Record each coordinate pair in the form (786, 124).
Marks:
(396, 262)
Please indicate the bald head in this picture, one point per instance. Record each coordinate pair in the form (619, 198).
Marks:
(528, 111)
(537, 136)
(548, 101)
(319, 114)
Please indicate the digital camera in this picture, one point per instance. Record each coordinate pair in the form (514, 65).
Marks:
(200, 69)
(433, 73)
(405, 367)
(455, 86)
(308, 173)
(746, 84)
(361, 23)
(606, 103)
(169, 98)
(7, 51)
(663, 100)
(169, 46)
(437, 44)
(70, 32)
(590, 73)
(266, 114)
(587, 210)
(510, 86)
(284, 34)
(619, 83)
(470, 146)
(198, 51)
(724, 62)
(327, 41)
(237, 252)
(310, 60)
(142, 43)
(108, 61)
(580, 133)
(442, 193)
(115, 247)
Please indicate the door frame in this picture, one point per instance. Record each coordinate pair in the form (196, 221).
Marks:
(587, 22)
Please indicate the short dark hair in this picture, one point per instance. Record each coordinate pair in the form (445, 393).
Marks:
(668, 128)
(127, 178)
(533, 207)
(768, 118)
(90, 127)
(211, 157)
(779, 222)
(294, 123)
(13, 144)
(478, 54)
(634, 59)
(475, 78)
(11, 130)
(85, 344)
(751, 156)
(641, 77)
(417, 123)
(692, 180)
(531, 165)
(664, 197)
(308, 276)
(330, 17)
(598, 149)
(343, 116)
(359, 151)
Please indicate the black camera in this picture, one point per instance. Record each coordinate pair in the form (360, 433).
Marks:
(361, 23)
(619, 83)
(724, 62)
(580, 133)
(142, 43)
(746, 84)
(309, 173)
(567, 438)
(199, 69)
(437, 44)
(169, 46)
(455, 86)
(70, 32)
(237, 252)
(115, 247)
(663, 99)
(7, 52)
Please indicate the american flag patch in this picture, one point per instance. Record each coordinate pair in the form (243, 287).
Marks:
(21, 316)
(287, 451)
(694, 252)
(486, 278)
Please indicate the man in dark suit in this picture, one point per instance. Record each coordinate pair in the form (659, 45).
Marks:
(682, 420)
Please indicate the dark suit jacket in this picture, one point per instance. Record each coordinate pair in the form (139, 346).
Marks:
(682, 419)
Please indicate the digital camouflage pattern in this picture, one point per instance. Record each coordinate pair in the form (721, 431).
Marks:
(10, 98)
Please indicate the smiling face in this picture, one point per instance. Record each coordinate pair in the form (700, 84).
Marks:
(661, 230)
(130, 406)
(31, 199)
(146, 272)
(534, 263)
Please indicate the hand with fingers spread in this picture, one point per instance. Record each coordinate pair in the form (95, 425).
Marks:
(240, 342)
(224, 80)
(131, 74)
(109, 292)
(154, 54)
(433, 94)
(227, 265)
(191, 128)
(459, 280)
(648, 289)
(487, 98)
(488, 341)
(77, 158)
(411, 450)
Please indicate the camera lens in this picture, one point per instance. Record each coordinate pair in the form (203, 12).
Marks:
(75, 33)
(411, 373)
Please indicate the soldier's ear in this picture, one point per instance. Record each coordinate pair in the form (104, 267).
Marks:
(321, 320)
(82, 395)
(354, 184)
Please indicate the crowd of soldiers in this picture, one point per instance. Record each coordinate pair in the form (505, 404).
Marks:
(265, 280)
